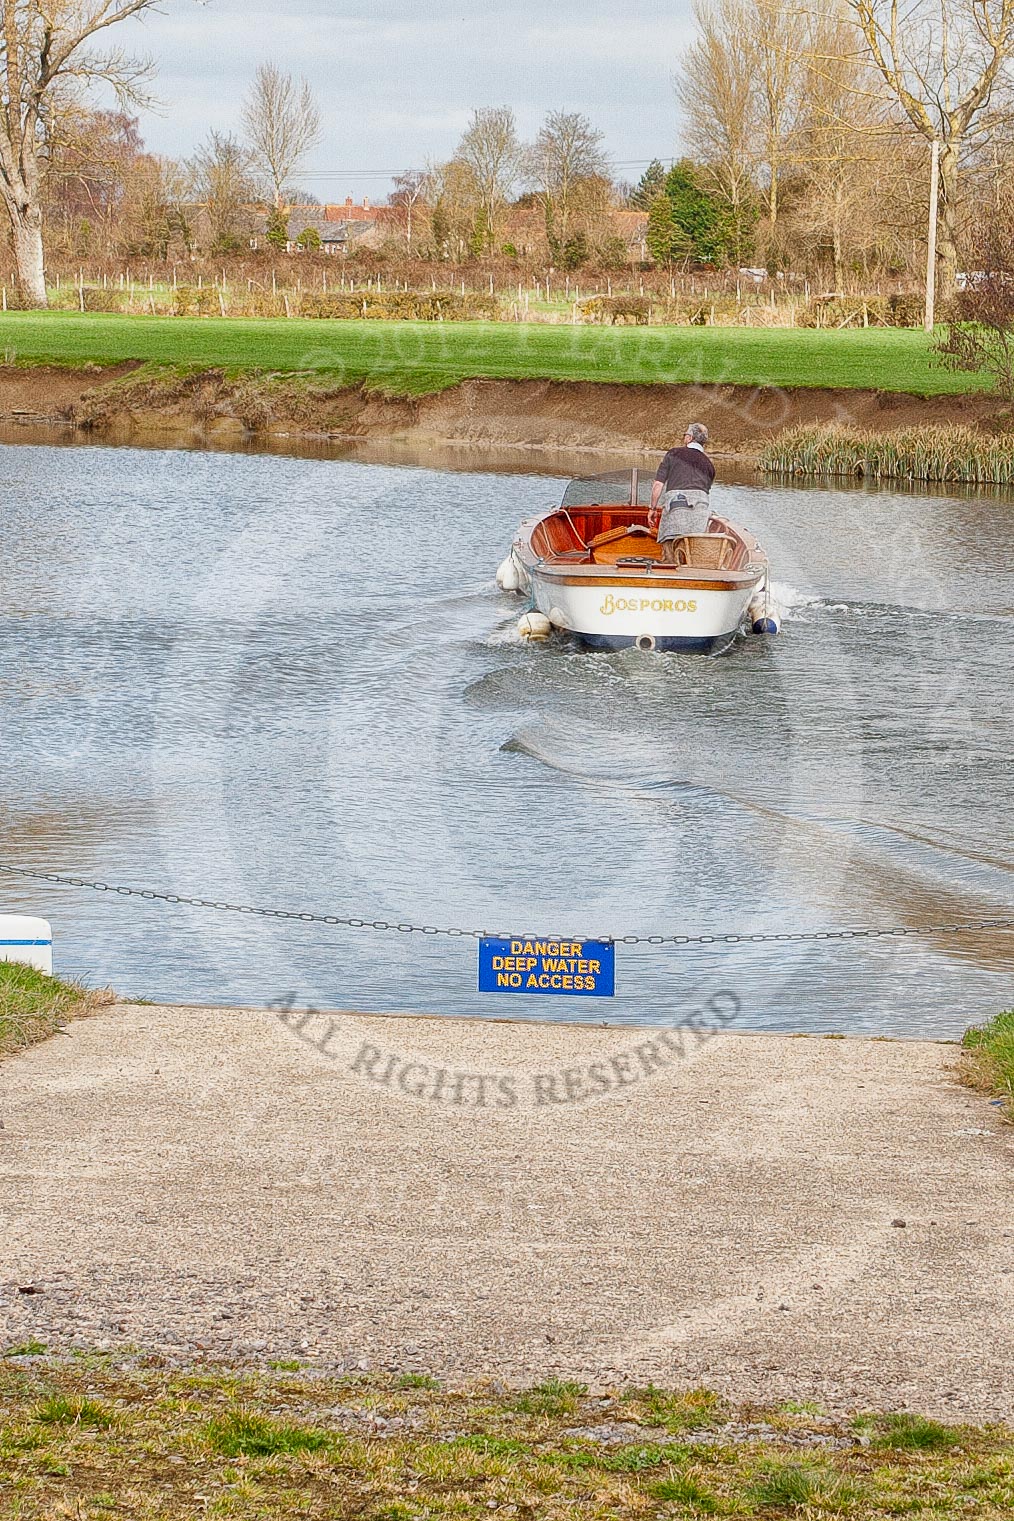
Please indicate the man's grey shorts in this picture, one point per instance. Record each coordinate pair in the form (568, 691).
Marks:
(678, 519)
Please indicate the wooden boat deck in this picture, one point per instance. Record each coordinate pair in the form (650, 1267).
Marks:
(619, 535)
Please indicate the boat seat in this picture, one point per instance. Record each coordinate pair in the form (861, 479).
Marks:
(624, 531)
(629, 542)
(711, 551)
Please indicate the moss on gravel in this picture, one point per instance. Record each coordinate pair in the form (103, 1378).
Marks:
(92, 1438)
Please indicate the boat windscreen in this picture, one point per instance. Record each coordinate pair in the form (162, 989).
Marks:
(608, 490)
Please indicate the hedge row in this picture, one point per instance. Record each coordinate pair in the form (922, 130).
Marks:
(863, 311)
(210, 301)
(686, 311)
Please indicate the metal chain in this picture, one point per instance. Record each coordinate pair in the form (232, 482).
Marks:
(335, 920)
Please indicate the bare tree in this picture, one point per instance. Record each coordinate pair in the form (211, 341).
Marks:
(741, 87)
(717, 89)
(451, 195)
(980, 334)
(411, 189)
(155, 215)
(92, 158)
(493, 155)
(568, 166)
(282, 123)
(47, 47)
(941, 61)
(843, 148)
(777, 32)
(223, 181)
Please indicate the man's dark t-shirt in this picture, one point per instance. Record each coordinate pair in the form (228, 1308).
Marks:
(686, 469)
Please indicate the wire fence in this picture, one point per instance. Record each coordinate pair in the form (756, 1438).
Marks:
(351, 922)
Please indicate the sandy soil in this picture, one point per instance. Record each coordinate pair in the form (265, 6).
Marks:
(773, 1217)
(537, 415)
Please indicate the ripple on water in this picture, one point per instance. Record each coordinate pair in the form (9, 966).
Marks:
(294, 682)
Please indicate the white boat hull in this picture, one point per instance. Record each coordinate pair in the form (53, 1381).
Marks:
(613, 617)
(594, 568)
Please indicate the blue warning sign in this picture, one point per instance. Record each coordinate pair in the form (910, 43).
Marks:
(571, 968)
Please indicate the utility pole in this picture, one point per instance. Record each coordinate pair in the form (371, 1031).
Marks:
(931, 240)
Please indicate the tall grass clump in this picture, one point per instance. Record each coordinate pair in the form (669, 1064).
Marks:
(905, 1432)
(684, 1490)
(797, 1486)
(249, 1435)
(689, 1410)
(554, 1397)
(989, 1059)
(934, 452)
(33, 1006)
(58, 1410)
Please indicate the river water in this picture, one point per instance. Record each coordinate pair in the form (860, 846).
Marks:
(292, 682)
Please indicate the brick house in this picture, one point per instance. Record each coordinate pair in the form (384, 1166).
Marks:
(338, 227)
(349, 223)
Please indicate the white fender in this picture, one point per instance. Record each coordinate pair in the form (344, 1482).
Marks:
(508, 577)
(534, 626)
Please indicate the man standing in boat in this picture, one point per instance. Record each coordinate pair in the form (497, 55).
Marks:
(680, 497)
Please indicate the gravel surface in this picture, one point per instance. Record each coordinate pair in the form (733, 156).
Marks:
(775, 1218)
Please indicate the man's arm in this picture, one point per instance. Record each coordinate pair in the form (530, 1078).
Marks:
(654, 515)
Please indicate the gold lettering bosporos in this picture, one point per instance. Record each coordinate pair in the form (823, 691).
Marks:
(646, 605)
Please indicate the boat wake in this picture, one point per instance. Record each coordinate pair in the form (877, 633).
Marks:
(900, 876)
(792, 599)
(799, 607)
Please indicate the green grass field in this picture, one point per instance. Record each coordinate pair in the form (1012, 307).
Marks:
(412, 358)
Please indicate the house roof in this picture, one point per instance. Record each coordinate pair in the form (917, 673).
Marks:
(350, 212)
(302, 218)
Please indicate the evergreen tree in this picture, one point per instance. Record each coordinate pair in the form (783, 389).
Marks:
(477, 238)
(666, 239)
(661, 233)
(440, 226)
(278, 230)
(650, 185)
(706, 222)
(552, 241)
(575, 252)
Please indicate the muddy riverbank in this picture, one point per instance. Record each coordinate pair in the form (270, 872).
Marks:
(136, 404)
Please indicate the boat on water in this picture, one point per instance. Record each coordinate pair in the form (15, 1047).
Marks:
(592, 568)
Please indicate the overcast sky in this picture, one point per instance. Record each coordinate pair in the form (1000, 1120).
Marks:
(397, 81)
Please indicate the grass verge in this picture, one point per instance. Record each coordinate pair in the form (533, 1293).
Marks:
(33, 1007)
(988, 1062)
(934, 452)
(420, 358)
(89, 1439)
